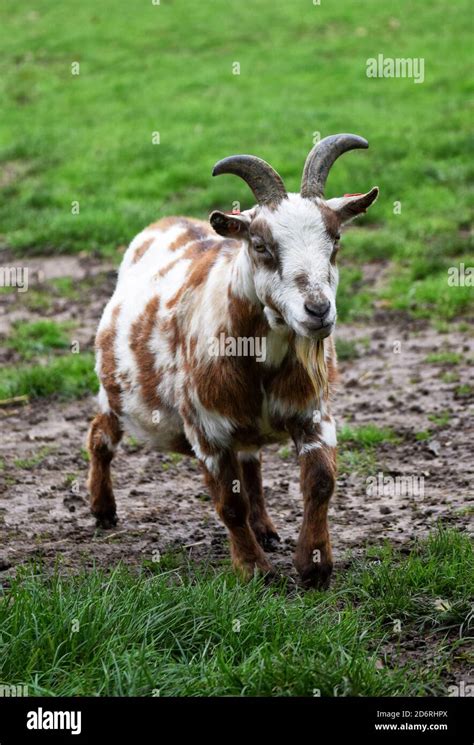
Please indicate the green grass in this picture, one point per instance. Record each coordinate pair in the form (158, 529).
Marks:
(346, 349)
(366, 435)
(444, 358)
(34, 338)
(29, 463)
(423, 435)
(464, 390)
(423, 299)
(449, 377)
(357, 447)
(68, 376)
(356, 460)
(440, 419)
(168, 68)
(174, 631)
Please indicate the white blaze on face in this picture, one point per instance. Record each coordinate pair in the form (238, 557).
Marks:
(304, 251)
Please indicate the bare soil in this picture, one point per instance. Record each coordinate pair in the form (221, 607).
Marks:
(161, 500)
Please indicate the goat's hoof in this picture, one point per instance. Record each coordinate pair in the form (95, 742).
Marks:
(316, 576)
(269, 541)
(249, 569)
(267, 537)
(106, 521)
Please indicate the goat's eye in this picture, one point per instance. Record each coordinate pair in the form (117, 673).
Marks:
(261, 248)
(337, 238)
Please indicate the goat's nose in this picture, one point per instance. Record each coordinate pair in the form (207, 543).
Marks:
(317, 310)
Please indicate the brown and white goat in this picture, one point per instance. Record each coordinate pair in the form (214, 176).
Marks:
(270, 275)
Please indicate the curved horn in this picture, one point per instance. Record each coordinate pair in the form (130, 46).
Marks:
(320, 159)
(266, 184)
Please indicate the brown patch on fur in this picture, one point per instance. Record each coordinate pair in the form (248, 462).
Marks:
(141, 250)
(223, 386)
(261, 229)
(187, 236)
(292, 383)
(229, 384)
(105, 342)
(331, 220)
(198, 272)
(169, 327)
(165, 223)
(104, 434)
(140, 335)
(167, 268)
(246, 318)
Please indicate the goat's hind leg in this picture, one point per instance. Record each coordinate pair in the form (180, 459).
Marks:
(105, 434)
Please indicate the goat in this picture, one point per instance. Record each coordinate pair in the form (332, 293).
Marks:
(267, 273)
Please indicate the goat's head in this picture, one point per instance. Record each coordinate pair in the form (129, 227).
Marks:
(293, 239)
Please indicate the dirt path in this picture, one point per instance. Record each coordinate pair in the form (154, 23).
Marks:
(162, 502)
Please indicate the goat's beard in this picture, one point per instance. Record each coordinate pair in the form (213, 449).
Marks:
(310, 353)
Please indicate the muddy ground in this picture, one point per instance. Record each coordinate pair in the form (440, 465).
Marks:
(161, 500)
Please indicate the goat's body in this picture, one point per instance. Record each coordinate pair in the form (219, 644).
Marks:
(215, 346)
(179, 286)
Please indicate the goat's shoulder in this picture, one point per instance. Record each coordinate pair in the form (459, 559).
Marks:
(163, 241)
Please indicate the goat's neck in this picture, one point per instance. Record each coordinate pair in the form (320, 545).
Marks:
(242, 285)
(241, 278)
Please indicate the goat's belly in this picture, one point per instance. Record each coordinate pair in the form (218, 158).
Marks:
(254, 441)
(165, 433)
(163, 430)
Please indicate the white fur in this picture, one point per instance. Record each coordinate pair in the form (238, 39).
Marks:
(328, 432)
(304, 248)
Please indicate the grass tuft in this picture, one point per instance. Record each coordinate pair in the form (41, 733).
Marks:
(68, 376)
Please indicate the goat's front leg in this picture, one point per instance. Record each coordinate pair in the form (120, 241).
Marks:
(224, 478)
(260, 521)
(313, 556)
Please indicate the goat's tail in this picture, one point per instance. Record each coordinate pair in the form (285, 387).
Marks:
(310, 353)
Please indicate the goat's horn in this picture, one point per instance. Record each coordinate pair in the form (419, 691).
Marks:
(320, 159)
(266, 184)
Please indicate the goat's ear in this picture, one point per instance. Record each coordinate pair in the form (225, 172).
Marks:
(230, 226)
(352, 205)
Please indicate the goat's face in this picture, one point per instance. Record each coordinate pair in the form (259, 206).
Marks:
(293, 239)
(293, 253)
(293, 249)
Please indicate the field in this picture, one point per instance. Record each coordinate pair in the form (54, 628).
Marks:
(115, 115)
